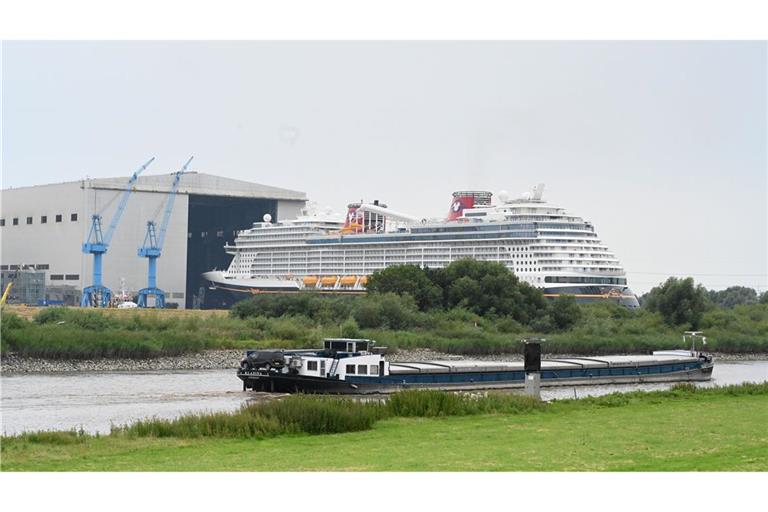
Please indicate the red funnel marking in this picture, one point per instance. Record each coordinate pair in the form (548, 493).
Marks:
(458, 205)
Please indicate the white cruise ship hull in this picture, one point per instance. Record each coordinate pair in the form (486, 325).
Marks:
(541, 244)
(219, 280)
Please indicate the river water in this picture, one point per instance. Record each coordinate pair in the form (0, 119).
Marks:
(92, 401)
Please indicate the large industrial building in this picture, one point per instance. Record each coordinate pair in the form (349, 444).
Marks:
(42, 229)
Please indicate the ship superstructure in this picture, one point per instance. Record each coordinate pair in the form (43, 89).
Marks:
(541, 243)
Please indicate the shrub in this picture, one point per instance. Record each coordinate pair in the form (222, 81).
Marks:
(296, 328)
(407, 279)
(50, 315)
(733, 296)
(509, 325)
(387, 310)
(564, 312)
(350, 329)
(543, 324)
(367, 314)
(311, 305)
(489, 288)
(679, 302)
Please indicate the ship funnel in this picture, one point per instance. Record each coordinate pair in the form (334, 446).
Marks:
(353, 220)
(468, 199)
(366, 218)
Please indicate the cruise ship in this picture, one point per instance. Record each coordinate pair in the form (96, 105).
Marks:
(541, 243)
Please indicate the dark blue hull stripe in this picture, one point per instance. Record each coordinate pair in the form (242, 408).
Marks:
(512, 376)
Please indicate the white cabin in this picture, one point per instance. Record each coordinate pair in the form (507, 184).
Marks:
(339, 358)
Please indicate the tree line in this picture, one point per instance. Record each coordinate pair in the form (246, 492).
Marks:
(402, 296)
(397, 294)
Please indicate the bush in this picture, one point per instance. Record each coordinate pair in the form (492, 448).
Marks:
(350, 329)
(50, 315)
(386, 311)
(564, 312)
(485, 287)
(317, 307)
(509, 325)
(410, 280)
(296, 328)
(679, 302)
(543, 324)
(733, 296)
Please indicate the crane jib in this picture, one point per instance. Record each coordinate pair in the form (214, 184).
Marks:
(153, 245)
(97, 294)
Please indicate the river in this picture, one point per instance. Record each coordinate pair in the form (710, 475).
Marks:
(92, 401)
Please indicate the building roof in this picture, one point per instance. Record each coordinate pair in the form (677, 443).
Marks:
(192, 182)
(200, 184)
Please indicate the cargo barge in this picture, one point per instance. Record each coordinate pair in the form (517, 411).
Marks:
(355, 366)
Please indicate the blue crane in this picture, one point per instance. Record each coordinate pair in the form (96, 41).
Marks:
(97, 294)
(153, 246)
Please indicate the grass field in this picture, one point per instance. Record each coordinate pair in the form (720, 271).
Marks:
(654, 432)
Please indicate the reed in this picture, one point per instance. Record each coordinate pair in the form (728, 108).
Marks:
(430, 403)
(52, 437)
(292, 415)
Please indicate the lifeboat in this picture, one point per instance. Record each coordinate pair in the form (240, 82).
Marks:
(310, 280)
(364, 280)
(348, 280)
(328, 280)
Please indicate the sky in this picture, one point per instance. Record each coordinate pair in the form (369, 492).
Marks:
(662, 145)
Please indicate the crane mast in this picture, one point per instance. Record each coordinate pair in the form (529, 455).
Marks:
(97, 243)
(153, 246)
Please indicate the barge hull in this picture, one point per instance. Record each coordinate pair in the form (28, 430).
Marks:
(281, 383)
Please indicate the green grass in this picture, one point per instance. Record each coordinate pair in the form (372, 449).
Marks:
(680, 430)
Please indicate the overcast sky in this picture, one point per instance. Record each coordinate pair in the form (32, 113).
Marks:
(662, 145)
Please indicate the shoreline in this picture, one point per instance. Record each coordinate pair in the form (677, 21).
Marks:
(11, 364)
